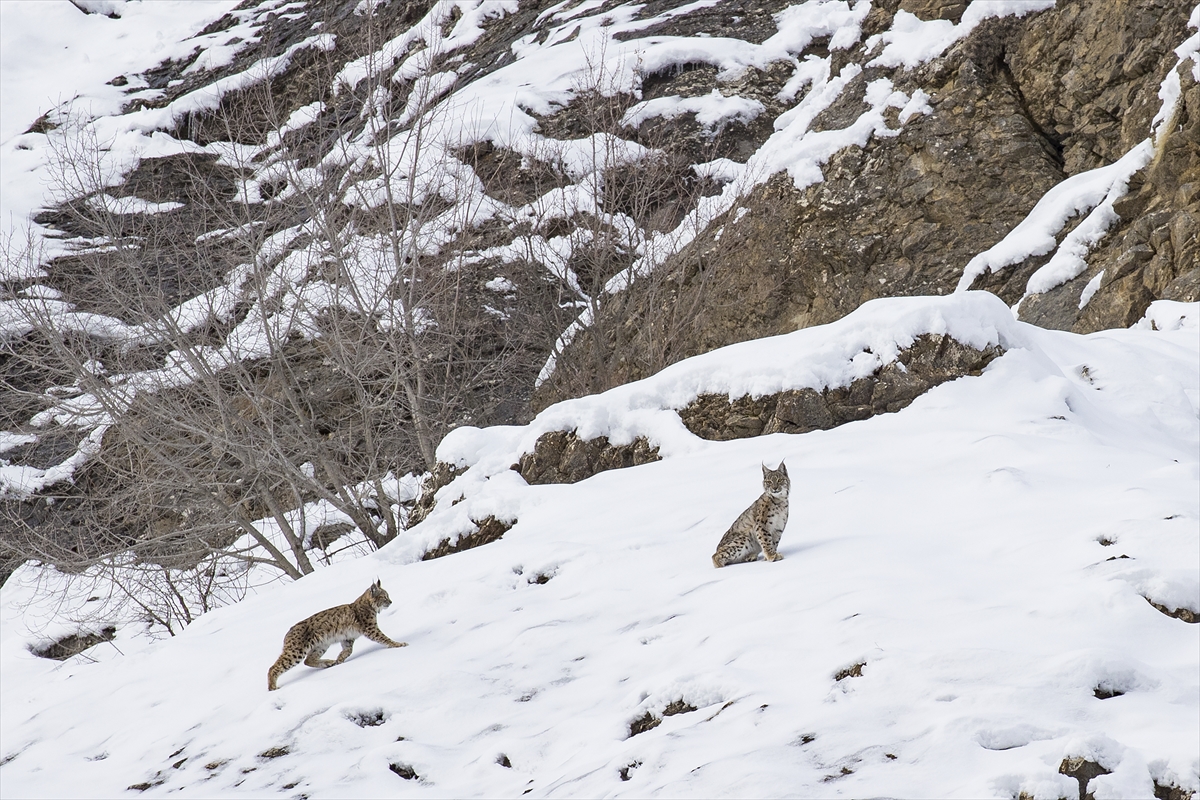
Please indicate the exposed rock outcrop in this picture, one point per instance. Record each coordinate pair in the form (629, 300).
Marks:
(931, 360)
(1185, 614)
(75, 643)
(563, 457)
(1153, 252)
(441, 475)
(487, 530)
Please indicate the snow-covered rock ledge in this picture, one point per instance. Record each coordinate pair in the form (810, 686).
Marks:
(646, 415)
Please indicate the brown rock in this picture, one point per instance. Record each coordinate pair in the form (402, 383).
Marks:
(562, 457)
(951, 10)
(931, 360)
(1018, 105)
(487, 530)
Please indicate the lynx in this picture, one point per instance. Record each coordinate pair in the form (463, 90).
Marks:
(760, 526)
(307, 641)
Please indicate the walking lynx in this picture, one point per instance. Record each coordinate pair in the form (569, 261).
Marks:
(760, 526)
(307, 641)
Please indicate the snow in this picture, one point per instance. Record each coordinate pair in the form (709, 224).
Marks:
(574, 50)
(912, 41)
(1094, 192)
(713, 111)
(953, 548)
(131, 205)
(501, 285)
(1090, 289)
(1068, 260)
(1170, 89)
(53, 55)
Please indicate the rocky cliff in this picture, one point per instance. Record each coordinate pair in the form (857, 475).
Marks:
(1017, 106)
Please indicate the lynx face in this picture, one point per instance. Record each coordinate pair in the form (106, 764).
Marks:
(775, 481)
(379, 597)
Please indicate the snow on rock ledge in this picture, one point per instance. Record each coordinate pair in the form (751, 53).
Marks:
(829, 357)
(931, 360)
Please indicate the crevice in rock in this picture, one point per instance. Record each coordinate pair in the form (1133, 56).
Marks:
(1053, 142)
(1082, 771)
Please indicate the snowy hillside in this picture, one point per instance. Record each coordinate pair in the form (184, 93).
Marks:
(210, 210)
(965, 607)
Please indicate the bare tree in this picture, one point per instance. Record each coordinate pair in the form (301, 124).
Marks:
(253, 339)
(236, 413)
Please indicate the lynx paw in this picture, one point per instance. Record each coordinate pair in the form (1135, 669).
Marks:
(399, 644)
(776, 557)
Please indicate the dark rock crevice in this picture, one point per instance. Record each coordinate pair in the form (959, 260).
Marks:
(1053, 142)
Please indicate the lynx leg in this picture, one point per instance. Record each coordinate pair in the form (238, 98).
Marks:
(347, 649)
(375, 635)
(315, 661)
(739, 551)
(285, 662)
(767, 545)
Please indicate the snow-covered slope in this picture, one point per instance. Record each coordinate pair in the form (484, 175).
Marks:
(985, 555)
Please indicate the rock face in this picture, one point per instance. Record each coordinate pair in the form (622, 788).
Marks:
(486, 531)
(1154, 251)
(1151, 252)
(931, 360)
(1017, 106)
(441, 475)
(563, 457)
(1185, 614)
(1082, 770)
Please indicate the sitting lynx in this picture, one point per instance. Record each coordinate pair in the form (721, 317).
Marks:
(760, 526)
(307, 641)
